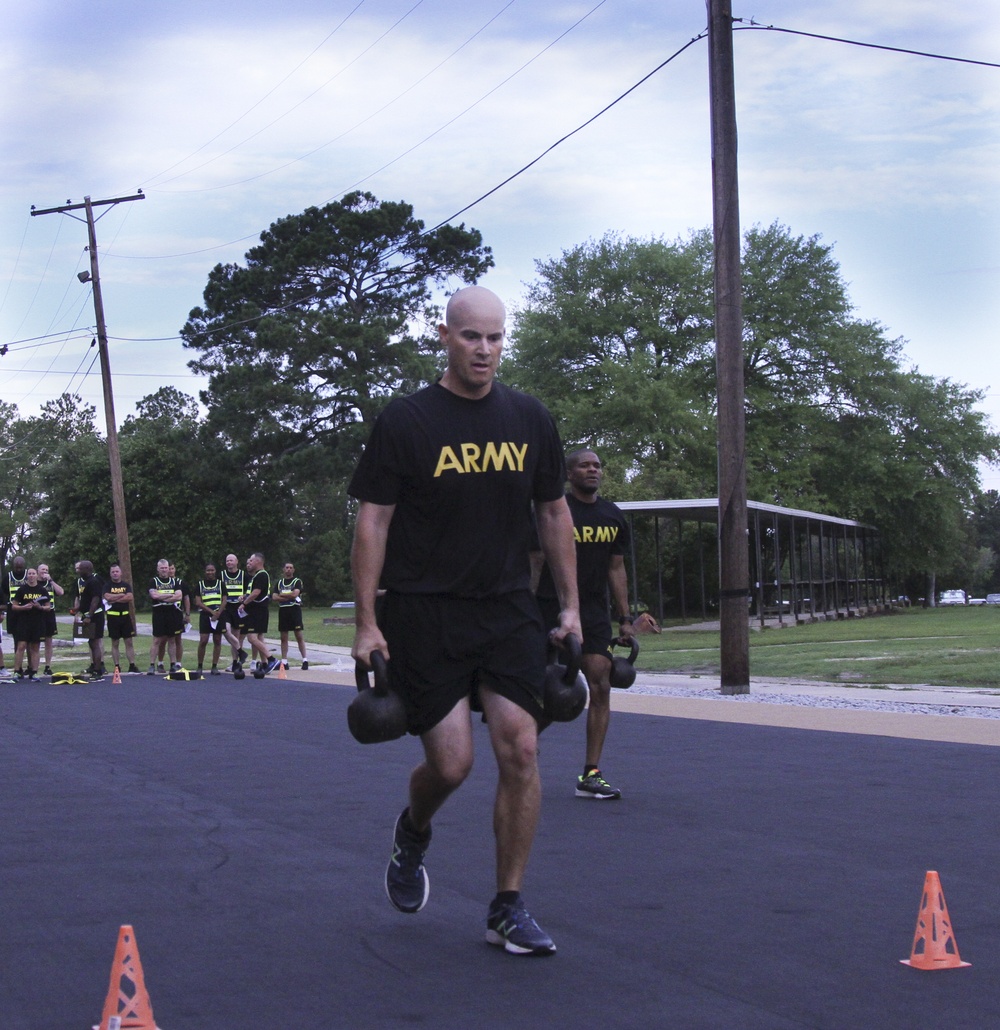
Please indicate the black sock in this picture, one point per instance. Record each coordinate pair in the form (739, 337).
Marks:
(506, 897)
(588, 769)
(407, 824)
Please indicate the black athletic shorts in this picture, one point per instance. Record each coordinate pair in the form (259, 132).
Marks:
(167, 620)
(51, 627)
(94, 628)
(444, 647)
(231, 617)
(594, 621)
(205, 625)
(257, 619)
(29, 626)
(119, 626)
(289, 618)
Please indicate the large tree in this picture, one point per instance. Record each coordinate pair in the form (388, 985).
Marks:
(31, 449)
(616, 337)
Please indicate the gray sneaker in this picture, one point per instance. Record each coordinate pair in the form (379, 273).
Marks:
(596, 786)
(513, 929)
(406, 880)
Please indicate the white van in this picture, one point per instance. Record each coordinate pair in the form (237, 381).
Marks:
(948, 597)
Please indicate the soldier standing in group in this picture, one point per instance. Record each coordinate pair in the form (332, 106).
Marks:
(288, 596)
(31, 602)
(118, 598)
(234, 583)
(167, 619)
(92, 616)
(15, 579)
(210, 600)
(255, 604)
(51, 626)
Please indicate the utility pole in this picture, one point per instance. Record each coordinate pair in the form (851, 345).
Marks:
(734, 565)
(114, 457)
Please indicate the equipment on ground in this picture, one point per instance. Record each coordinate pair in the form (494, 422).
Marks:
(258, 673)
(565, 694)
(238, 672)
(623, 669)
(377, 714)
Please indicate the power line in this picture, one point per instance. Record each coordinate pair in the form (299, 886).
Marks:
(294, 107)
(347, 189)
(269, 93)
(751, 25)
(357, 125)
(569, 135)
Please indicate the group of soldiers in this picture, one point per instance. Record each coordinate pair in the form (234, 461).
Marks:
(233, 605)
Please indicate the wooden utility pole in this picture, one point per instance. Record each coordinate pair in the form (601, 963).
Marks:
(114, 458)
(734, 565)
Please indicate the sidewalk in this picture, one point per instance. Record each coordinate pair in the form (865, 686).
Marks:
(668, 694)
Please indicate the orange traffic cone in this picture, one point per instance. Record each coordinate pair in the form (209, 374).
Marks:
(127, 1005)
(934, 945)
(117, 678)
(282, 665)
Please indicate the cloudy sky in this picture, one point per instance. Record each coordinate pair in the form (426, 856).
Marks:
(231, 115)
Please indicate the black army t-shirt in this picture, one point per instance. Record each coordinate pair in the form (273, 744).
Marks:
(601, 531)
(462, 474)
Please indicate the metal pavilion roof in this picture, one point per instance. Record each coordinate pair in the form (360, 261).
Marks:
(708, 507)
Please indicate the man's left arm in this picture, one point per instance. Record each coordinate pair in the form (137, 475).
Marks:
(618, 583)
(555, 534)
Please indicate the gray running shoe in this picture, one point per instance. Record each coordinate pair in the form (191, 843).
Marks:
(596, 786)
(406, 880)
(513, 929)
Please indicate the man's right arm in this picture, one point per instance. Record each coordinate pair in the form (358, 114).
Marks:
(371, 532)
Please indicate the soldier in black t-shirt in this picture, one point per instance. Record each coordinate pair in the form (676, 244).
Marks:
(51, 626)
(179, 620)
(210, 601)
(167, 619)
(446, 485)
(256, 612)
(287, 594)
(118, 601)
(602, 539)
(91, 606)
(31, 602)
(13, 580)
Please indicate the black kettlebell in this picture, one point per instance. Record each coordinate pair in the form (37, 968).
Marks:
(565, 688)
(623, 669)
(258, 673)
(238, 672)
(377, 714)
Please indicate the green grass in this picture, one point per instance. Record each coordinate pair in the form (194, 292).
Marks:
(957, 647)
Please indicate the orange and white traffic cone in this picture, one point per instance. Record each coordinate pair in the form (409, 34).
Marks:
(934, 945)
(127, 1006)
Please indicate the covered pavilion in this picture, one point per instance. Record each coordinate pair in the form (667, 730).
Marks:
(804, 565)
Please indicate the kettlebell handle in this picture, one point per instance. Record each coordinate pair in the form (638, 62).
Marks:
(381, 671)
(573, 650)
(632, 644)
